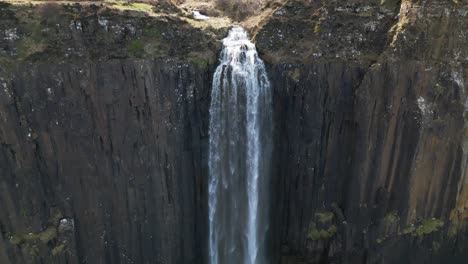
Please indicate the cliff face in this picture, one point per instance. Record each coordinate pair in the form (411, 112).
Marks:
(368, 148)
(103, 153)
(370, 130)
(118, 147)
(104, 120)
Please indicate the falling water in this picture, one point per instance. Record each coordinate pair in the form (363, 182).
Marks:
(239, 154)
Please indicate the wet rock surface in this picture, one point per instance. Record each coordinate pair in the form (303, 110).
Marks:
(104, 128)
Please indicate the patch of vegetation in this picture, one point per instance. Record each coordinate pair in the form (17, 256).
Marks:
(7, 67)
(426, 227)
(200, 62)
(239, 9)
(152, 32)
(439, 121)
(31, 249)
(439, 89)
(47, 235)
(391, 217)
(325, 217)
(58, 249)
(408, 230)
(44, 236)
(136, 48)
(30, 46)
(390, 4)
(30, 243)
(316, 28)
(317, 234)
(201, 59)
(134, 6)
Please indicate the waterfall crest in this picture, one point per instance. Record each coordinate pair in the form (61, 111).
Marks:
(239, 154)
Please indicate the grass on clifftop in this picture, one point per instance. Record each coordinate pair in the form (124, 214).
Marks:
(133, 6)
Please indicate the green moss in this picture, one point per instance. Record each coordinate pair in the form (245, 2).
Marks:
(58, 249)
(31, 249)
(465, 116)
(152, 32)
(29, 46)
(200, 62)
(325, 217)
(408, 230)
(391, 217)
(439, 89)
(453, 230)
(16, 240)
(56, 216)
(48, 234)
(428, 226)
(45, 236)
(31, 242)
(136, 47)
(316, 234)
(390, 4)
(316, 28)
(201, 59)
(7, 67)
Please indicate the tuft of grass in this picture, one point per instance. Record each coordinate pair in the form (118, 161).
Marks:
(7, 67)
(58, 249)
(439, 89)
(408, 230)
(136, 48)
(426, 227)
(152, 32)
(16, 240)
(318, 234)
(30, 46)
(201, 59)
(47, 235)
(200, 62)
(133, 6)
(325, 217)
(316, 27)
(391, 217)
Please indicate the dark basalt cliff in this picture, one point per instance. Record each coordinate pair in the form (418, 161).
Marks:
(104, 129)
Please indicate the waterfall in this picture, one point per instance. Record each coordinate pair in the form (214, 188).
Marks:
(239, 154)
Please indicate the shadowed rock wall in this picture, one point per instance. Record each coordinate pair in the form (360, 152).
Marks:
(117, 147)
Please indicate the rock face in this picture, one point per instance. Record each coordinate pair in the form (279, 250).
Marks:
(104, 128)
(116, 146)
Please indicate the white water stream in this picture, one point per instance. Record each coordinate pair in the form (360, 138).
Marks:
(239, 154)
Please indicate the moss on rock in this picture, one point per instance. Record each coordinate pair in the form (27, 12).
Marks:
(391, 217)
(425, 227)
(317, 234)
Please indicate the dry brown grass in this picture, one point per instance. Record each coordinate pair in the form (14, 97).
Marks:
(239, 9)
